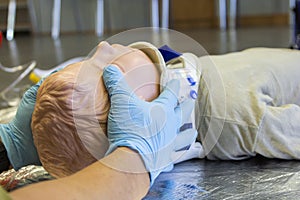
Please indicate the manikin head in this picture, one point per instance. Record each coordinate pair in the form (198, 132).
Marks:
(69, 119)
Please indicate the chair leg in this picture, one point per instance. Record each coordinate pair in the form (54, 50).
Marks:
(154, 13)
(77, 16)
(33, 15)
(11, 19)
(292, 21)
(232, 14)
(56, 19)
(292, 5)
(222, 14)
(165, 13)
(100, 18)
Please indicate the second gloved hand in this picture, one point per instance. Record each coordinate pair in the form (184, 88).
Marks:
(151, 128)
(17, 136)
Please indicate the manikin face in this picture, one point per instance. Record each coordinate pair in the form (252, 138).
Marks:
(65, 147)
(140, 72)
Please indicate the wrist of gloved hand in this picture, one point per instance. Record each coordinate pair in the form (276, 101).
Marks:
(150, 128)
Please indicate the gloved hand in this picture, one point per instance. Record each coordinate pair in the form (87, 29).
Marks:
(151, 128)
(17, 136)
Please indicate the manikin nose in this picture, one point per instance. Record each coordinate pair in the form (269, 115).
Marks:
(105, 46)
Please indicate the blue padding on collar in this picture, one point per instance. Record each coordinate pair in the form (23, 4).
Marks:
(168, 53)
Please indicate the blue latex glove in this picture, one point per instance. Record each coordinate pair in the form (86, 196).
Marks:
(151, 128)
(17, 136)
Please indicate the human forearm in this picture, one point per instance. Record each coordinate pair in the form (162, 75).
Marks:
(120, 175)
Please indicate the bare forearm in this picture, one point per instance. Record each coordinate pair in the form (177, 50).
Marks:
(121, 175)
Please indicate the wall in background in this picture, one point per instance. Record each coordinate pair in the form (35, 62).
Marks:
(23, 22)
(192, 13)
(79, 15)
(205, 13)
(262, 7)
(263, 12)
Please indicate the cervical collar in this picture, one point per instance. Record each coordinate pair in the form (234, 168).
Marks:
(175, 65)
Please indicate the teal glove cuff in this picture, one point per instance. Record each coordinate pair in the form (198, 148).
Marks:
(20, 148)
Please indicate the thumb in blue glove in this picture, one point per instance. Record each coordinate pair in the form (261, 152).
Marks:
(150, 128)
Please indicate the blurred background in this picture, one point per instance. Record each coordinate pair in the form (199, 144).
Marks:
(53, 31)
(210, 22)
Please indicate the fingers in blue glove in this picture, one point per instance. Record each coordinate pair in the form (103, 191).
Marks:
(150, 128)
(170, 93)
